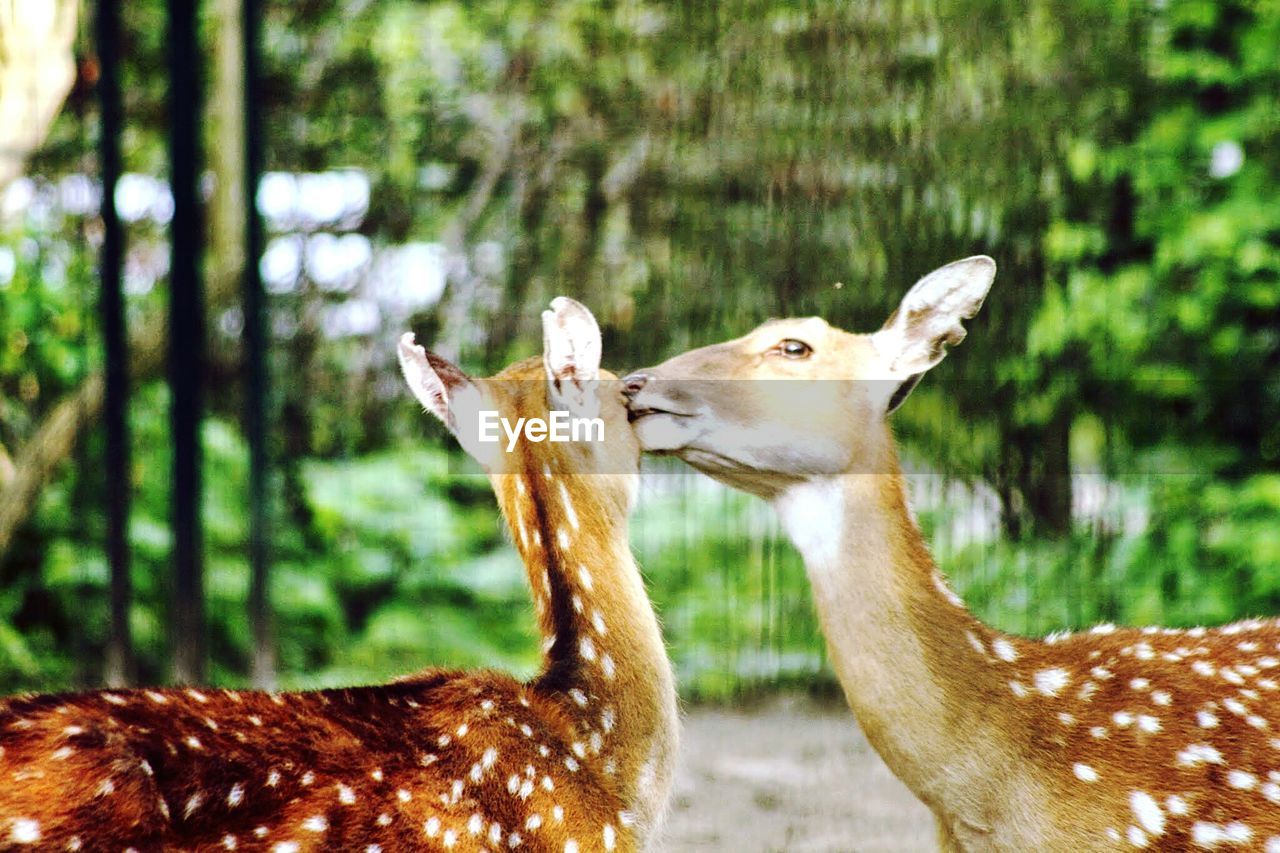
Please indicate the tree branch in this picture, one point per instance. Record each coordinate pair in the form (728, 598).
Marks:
(53, 441)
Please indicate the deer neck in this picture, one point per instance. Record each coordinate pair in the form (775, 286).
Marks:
(907, 653)
(603, 650)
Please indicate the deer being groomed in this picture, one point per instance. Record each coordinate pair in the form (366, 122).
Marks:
(580, 758)
(1114, 738)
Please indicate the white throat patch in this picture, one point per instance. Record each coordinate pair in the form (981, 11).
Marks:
(812, 514)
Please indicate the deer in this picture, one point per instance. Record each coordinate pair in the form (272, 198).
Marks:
(1109, 738)
(579, 758)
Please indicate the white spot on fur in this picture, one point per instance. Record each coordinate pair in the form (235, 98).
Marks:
(315, 823)
(1004, 650)
(940, 583)
(1147, 811)
(1050, 682)
(1197, 754)
(569, 511)
(1241, 780)
(25, 831)
(193, 803)
(236, 795)
(1208, 834)
(1085, 773)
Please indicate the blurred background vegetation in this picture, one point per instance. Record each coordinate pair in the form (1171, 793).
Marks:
(1104, 446)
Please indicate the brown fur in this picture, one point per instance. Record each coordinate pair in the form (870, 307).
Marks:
(439, 760)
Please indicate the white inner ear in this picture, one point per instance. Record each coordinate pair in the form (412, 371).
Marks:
(423, 381)
(461, 411)
(929, 319)
(571, 355)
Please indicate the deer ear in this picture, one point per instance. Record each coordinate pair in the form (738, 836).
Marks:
(432, 379)
(929, 319)
(571, 353)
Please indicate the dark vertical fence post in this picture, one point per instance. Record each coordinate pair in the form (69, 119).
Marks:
(118, 670)
(186, 338)
(255, 345)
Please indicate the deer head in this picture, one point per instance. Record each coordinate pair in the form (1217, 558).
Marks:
(566, 380)
(749, 411)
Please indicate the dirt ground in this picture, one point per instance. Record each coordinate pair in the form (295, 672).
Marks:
(791, 775)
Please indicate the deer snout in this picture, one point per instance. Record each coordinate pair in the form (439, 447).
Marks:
(633, 383)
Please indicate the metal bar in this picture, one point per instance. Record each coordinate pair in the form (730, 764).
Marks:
(186, 338)
(118, 669)
(255, 345)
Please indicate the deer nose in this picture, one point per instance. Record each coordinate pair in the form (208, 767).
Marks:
(632, 384)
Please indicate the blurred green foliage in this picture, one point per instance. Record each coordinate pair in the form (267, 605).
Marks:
(688, 170)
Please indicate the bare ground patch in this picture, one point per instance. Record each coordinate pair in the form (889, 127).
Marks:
(789, 775)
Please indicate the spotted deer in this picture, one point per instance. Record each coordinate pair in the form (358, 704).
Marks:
(1113, 738)
(578, 759)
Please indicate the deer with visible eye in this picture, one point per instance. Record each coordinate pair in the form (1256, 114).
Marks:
(580, 758)
(1113, 738)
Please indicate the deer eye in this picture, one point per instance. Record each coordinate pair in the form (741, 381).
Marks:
(791, 348)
